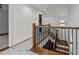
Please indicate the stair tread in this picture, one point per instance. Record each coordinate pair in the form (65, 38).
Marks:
(43, 51)
(60, 51)
(62, 42)
(64, 51)
(62, 48)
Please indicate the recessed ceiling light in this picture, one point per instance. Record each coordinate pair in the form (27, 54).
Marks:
(44, 9)
(40, 12)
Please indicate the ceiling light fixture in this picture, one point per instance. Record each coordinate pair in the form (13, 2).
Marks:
(39, 12)
(44, 9)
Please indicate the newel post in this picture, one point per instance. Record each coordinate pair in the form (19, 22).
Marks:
(34, 35)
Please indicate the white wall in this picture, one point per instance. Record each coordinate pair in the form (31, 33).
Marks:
(74, 14)
(3, 27)
(47, 20)
(74, 20)
(3, 21)
(20, 20)
(11, 23)
(54, 16)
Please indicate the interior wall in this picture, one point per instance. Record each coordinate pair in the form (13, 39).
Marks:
(74, 14)
(3, 27)
(54, 16)
(21, 18)
(3, 21)
(74, 20)
(47, 20)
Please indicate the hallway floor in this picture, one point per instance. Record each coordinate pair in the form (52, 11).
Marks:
(20, 49)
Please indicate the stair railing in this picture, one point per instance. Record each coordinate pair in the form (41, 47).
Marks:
(66, 38)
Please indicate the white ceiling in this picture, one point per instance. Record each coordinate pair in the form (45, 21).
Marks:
(50, 6)
(53, 9)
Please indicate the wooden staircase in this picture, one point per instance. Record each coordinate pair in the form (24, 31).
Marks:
(54, 44)
(62, 46)
(43, 51)
(58, 45)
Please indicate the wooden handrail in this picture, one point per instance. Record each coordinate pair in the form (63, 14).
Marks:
(34, 34)
(46, 25)
(38, 39)
(60, 26)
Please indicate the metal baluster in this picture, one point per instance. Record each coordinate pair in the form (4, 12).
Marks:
(62, 40)
(65, 39)
(55, 39)
(39, 39)
(43, 38)
(76, 41)
(69, 38)
(45, 35)
(72, 41)
(48, 39)
(36, 36)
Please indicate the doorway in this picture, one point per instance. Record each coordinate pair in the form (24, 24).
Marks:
(40, 22)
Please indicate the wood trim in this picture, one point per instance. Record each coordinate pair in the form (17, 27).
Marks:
(46, 25)
(14, 45)
(43, 51)
(59, 26)
(3, 49)
(3, 34)
(20, 42)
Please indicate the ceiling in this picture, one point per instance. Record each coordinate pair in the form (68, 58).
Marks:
(41, 7)
(53, 10)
